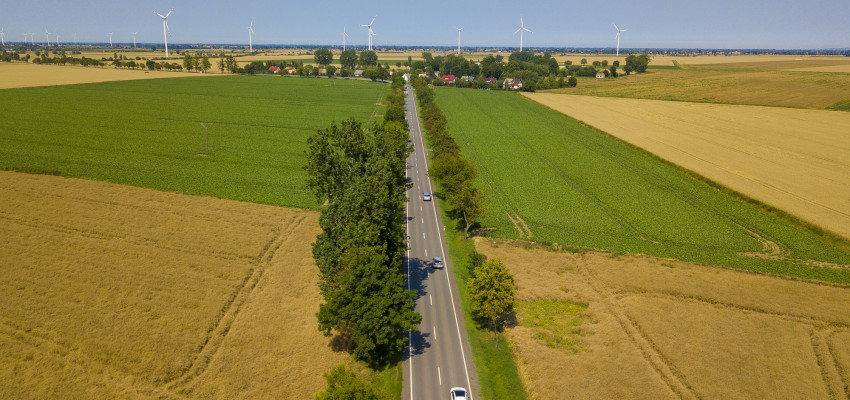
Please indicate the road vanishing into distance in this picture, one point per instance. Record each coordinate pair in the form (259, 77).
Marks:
(438, 357)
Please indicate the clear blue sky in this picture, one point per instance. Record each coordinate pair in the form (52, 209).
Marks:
(780, 24)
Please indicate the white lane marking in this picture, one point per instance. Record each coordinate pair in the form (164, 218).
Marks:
(423, 220)
(420, 208)
(439, 376)
(423, 233)
(431, 299)
(443, 250)
(426, 252)
(435, 332)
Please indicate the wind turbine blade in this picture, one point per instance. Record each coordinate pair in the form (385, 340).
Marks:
(169, 12)
(160, 15)
(373, 20)
(517, 31)
(527, 30)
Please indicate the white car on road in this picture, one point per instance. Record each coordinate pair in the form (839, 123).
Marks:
(459, 393)
(426, 196)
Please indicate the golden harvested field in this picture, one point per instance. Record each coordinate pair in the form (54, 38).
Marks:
(654, 329)
(795, 160)
(16, 75)
(111, 291)
(845, 68)
(756, 83)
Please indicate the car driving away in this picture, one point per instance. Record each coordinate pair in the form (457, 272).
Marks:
(459, 393)
(426, 196)
(438, 263)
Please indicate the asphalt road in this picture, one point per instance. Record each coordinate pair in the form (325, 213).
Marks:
(438, 357)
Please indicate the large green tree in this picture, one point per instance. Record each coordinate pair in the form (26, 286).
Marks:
(493, 292)
(368, 58)
(348, 59)
(637, 63)
(359, 176)
(469, 203)
(344, 383)
(323, 56)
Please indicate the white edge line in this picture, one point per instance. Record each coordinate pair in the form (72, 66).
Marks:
(440, 234)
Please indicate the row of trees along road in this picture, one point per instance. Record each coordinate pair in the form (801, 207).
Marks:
(448, 166)
(358, 176)
(491, 287)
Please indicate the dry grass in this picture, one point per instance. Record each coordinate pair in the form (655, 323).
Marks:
(754, 83)
(16, 75)
(665, 329)
(795, 160)
(828, 68)
(116, 291)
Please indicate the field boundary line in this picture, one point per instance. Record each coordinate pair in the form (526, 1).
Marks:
(230, 311)
(803, 319)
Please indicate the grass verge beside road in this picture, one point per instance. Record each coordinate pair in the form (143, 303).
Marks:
(494, 360)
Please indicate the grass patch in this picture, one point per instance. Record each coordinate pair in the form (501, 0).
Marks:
(556, 324)
(843, 105)
(575, 186)
(148, 133)
(497, 372)
(389, 379)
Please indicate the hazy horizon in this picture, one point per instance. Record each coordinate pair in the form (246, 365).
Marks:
(722, 24)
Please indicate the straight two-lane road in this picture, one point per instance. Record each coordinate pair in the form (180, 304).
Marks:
(438, 357)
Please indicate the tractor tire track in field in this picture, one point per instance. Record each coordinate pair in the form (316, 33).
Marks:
(821, 331)
(838, 366)
(230, 311)
(68, 354)
(672, 378)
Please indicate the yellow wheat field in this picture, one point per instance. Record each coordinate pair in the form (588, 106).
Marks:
(16, 75)
(795, 160)
(661, 329)
(110, 291)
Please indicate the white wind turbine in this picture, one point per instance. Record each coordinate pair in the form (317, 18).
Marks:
(520, 31)
(47, 36)
(619, 31)
(56, 42)
(2, 36)
(32, 38)
(165, 28)
(344, 35)
(458, 40)
(371, 33)
(250, 37)
(110, 38)
(134, 38)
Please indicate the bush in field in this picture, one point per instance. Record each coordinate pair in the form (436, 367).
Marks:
(493, 293)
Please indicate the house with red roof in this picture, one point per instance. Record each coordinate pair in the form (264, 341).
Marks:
(448, 78)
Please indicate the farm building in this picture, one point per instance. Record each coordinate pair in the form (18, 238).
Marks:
(406, 77)
(290, 69)
(490, 80)
(600, 75)
(274, 69)
(448, 78)
(513, 83)
(358, 72)
(423, 75)
(323, 71)
(469, 78)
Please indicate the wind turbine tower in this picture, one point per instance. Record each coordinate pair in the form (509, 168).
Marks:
(32, 38)
(47, 37)
(250, 37)
(165, 28)
(2, 36)
(344, 35)
(134, 39)
(56, 42)
(371, 33)
(458, 40)
(520, 31)
(619, 31)
(110, 39)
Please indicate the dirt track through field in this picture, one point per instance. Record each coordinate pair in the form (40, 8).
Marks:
(656, 329)
(114, 291)
(794, 160)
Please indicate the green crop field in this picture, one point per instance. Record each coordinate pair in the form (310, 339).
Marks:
(149, 133)
(554, 180)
